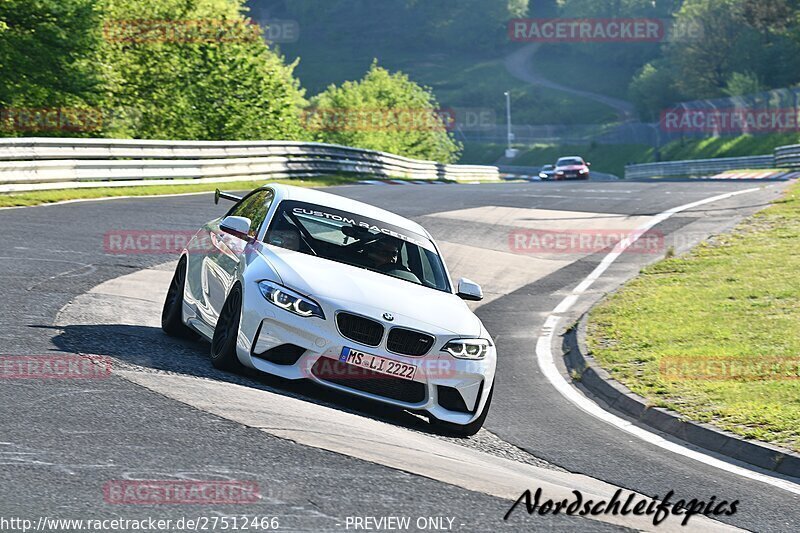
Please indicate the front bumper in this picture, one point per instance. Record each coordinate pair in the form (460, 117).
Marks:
(572, 176)
(315, 343)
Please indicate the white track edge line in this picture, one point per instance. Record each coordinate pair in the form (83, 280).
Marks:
(546, 360)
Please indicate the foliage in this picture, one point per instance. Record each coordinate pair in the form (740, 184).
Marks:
(472, 23)
(742, 83)
(744, 46)
(184, 69)
(619, 59)
(48, 57)
(478, 23)
(652, 90)
(386, 112)
(140, 77)
(208, 86)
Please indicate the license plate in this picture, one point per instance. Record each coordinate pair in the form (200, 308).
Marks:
(378, 364)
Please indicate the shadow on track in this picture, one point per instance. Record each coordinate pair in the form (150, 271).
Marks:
(148, 349)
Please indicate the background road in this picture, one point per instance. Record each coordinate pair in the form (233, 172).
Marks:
(521, 65)
(59, 442)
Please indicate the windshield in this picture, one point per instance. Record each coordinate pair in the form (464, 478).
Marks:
(569, 161)
(548, 167)
(358, 241)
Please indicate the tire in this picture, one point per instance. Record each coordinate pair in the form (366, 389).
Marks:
(172, 313)
(459, 430)
(223, 344)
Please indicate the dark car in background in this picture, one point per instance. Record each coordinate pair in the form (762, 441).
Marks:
(571, 168)
(547, 172)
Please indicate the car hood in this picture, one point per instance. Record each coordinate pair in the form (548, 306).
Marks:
(372, 294)
(572, 167)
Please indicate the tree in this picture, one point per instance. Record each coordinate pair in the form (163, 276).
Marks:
(386, 112)
(745, 46)
(704, 64)
(770, 15)
(204, 73)
(48, 57)
(474, 23)
(742, 83)
(621, 59)
(652, 90)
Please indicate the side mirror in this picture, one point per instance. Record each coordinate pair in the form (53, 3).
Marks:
(588, 164)
(236, 226)
(469, 290)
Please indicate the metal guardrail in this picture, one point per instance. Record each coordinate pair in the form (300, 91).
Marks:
(788, 156)
(697, 167)
(28, 164)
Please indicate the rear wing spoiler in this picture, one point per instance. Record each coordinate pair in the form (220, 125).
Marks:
(225, 196)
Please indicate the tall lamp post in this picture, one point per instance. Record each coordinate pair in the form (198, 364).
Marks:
(511, 152)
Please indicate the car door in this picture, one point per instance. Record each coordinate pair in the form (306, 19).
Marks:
(221, 266)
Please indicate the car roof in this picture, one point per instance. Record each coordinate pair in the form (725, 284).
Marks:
(571, 157)
(313, 196)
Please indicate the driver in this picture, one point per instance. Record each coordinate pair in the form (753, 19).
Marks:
(383, 254)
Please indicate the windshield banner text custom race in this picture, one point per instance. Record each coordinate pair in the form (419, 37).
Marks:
(374, 226)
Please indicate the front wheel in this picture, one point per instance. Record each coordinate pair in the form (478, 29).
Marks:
(226, 333)
(466, 430)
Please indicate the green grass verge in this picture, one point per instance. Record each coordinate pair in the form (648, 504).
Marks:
(563, 65)
(462, 81)
(44, 197)
(735, 301)
(609, 158)
(742, 145)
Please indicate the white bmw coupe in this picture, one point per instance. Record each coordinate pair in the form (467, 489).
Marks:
(304, 284)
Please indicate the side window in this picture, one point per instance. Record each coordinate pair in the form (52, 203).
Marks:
(259, 213)
(238, 209)
(254, 207)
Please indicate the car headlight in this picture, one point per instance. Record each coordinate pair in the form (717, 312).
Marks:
(542, 175)
(467, 348)
(289, 300)
(583, 171)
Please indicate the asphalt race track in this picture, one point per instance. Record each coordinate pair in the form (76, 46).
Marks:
(60, 441)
